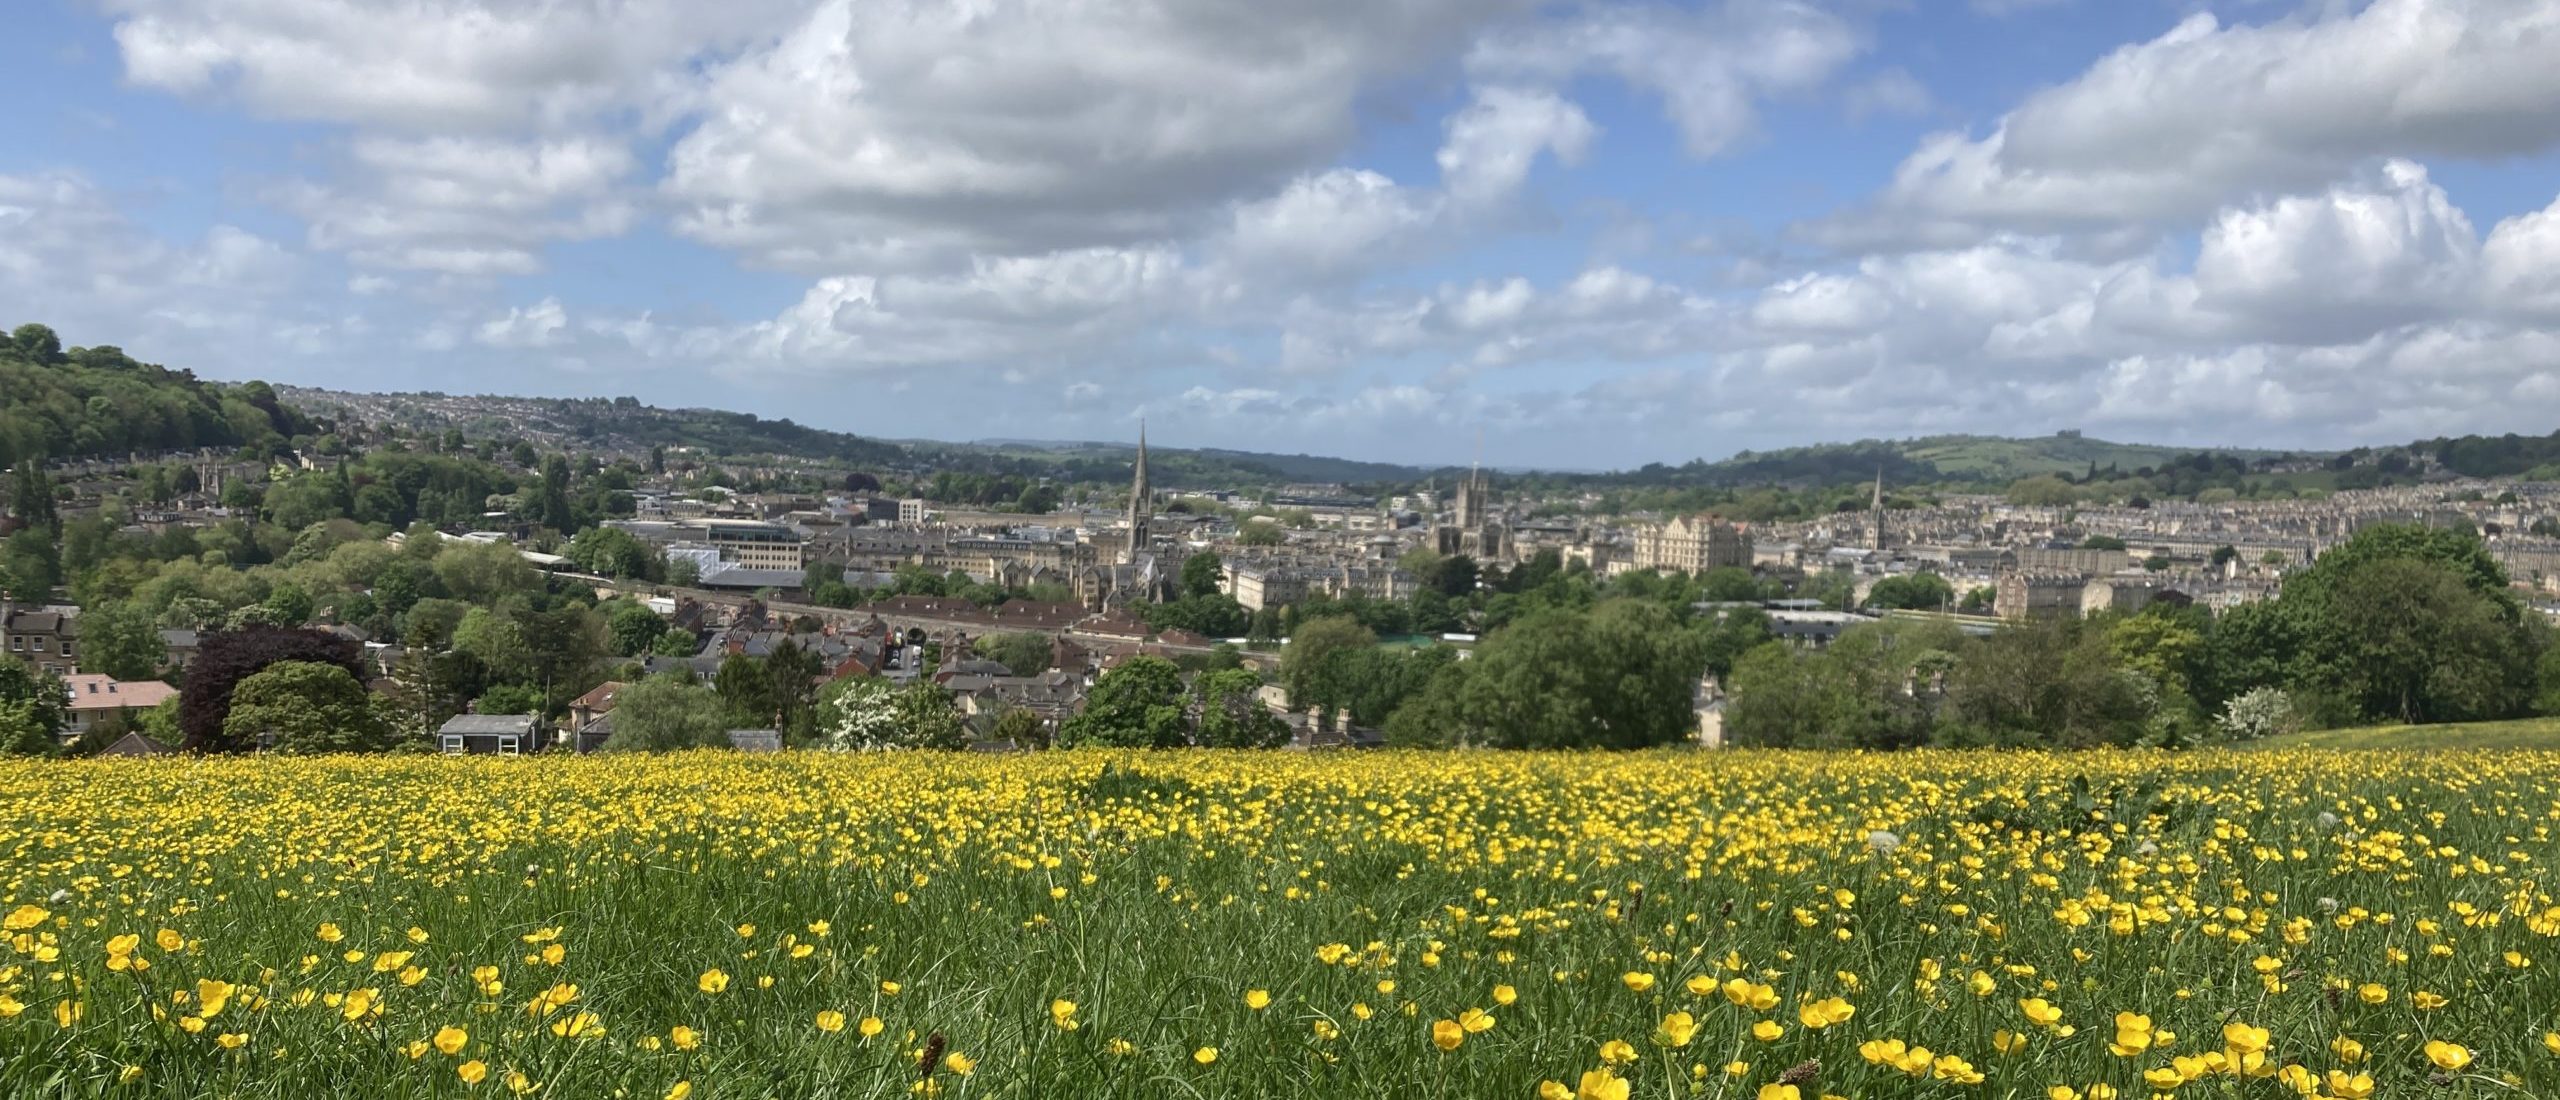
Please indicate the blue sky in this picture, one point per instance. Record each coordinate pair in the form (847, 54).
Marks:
(1595, 234)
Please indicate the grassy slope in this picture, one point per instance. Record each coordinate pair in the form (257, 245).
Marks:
(2523, 733)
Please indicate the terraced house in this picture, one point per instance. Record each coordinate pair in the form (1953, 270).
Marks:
(45, 637)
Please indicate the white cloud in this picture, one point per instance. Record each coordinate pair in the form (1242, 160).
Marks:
(2169, 130)
(1494, 140)
(2520, 264)
(2354, 259)
(903, 132)
(440, 66)
(541, 325)
(1326, 223)
(465, 206)
(1712, 65)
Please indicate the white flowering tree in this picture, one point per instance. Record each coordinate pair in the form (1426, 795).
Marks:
(860, 715)
(2256, 713)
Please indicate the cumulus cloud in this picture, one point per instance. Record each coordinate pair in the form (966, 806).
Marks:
(904, 132)
(1493, 141)
(2167, 131)
(465, 206)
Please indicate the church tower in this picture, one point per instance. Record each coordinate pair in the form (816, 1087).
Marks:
(1142, 506)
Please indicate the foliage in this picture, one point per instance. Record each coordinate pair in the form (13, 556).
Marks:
(1139, 704)
(304, 707)
(667, 712)
(1925, 591)
(868, 713)
(1022, 653)
(227, 658)
(1231, 714)
(1309, 671)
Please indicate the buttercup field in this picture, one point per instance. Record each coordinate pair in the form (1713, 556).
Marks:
(1780, 925)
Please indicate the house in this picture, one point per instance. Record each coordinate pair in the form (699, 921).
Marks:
(91, 697)
(487, 734)
(178, 648)
(46, 638)
(596, 703)
(135, 744)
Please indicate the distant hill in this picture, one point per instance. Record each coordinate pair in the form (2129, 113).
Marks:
(1206, 462)
(1973, 459)
(616, 424)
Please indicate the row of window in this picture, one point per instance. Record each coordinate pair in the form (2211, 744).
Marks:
(19, 644)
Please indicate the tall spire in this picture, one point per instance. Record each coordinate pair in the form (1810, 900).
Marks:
(1879, 507)
(1142, 506)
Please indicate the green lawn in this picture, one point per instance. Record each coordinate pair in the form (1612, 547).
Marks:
(2523, 733)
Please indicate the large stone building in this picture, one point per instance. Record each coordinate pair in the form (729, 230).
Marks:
(1693, 545)
(1474, 527)
(749, 544)
(2023, 596)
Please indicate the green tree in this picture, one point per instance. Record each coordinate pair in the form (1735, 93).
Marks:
(1258, 533)
(1023, 654)
(633, 627)
(31, 709)
(1202, 574)
(1783, 697)
(119, 639)
(305, 707)
(1622, 675)
(665, 713)
(1021, 726)
(1137, 705)
(1310, 669)
(1918, 591)
(1231, 714)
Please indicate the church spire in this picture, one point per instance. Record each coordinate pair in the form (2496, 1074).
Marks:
(1879, 507)
(1142, 507)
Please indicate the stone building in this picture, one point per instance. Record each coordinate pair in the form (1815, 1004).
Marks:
(1693, 545)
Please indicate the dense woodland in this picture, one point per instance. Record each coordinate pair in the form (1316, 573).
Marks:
(81, 402)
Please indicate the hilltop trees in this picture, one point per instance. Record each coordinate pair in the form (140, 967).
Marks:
(304, 707)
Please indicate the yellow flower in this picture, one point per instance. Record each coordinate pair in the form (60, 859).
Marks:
(1120, 1048)
(579, 1025)
(830, 1021)
(361, 1003)
(211, 997)
(1617, 1052)
(518, 1083)
(1476, 1021)
(684, 1038)
(1637, 980)
(24, 917)
(2551, 1041)
(329, 933)
(1063, 1014)
(1775, 1091)
(2348, 1050)
(231, 1040)
(1554, 1090)
(1504, 995)
(2358, 1087)
(2040, 1012)
(1826, 1012)
(958, 1063)
(2447, 1056)
(170, 940)
(451, 1040)
(1257, 999)
(472, 1072)
(869, 1026)
(2427, 1002)
(890, 989)
(2008, 1042)
(1446, 1034)
(1767, 1031)
(2372, 993)
(1205, 1055)
(713, 980)
(820, 928)
(1601, 1084)
(1677, 1030)
(680, 1090)
(128, 1075)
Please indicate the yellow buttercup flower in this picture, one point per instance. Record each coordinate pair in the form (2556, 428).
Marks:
(714, 980)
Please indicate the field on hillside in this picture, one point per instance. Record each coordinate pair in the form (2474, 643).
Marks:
(2521, 733)
(1766, 926)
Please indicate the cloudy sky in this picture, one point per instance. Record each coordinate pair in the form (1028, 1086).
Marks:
(1594, 234)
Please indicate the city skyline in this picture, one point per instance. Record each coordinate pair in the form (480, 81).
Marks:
(1601, 235)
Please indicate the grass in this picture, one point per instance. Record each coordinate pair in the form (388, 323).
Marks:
(2522, 733)
(1204, 924)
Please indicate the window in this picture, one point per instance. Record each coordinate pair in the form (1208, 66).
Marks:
(39, 644)
(507, 746)
(453, 744)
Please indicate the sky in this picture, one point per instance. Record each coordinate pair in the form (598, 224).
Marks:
(1587, 235)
